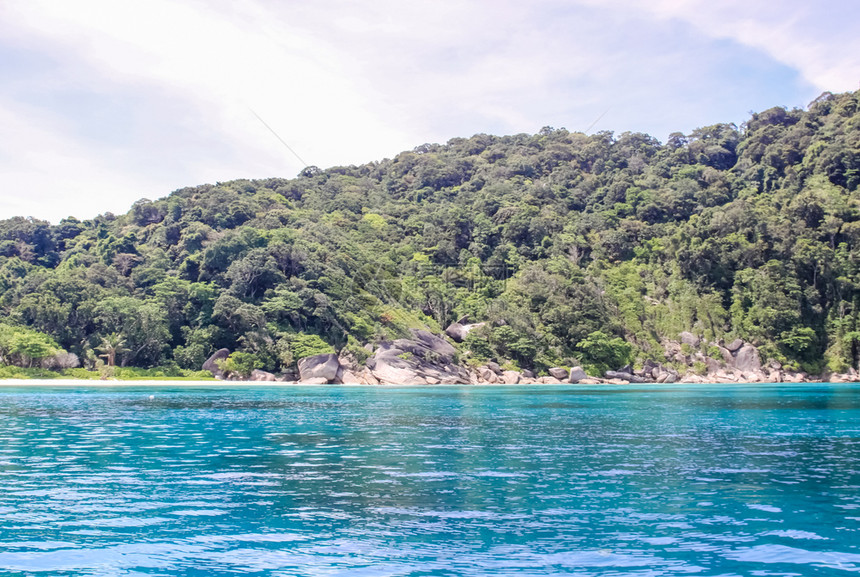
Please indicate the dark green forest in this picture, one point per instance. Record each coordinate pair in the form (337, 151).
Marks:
(572, 248)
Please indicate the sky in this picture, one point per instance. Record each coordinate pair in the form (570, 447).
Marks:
(104, 102)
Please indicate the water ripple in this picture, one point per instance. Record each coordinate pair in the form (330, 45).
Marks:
(620, 481)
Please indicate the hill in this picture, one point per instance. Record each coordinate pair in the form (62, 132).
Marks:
(571, 248)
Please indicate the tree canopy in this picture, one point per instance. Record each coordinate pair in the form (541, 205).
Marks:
(573, 248)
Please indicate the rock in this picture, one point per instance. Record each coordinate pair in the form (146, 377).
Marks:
(549, 381)
(576, 375)
(559, 373)
(347, 361)
(747, 359)
(323, 366)
(689, 338)
(735, 345)
(713, 365)
(426, 358)
(459, 330)
(626, 369)
(494, 367)
(350, 378)
(528, 374)
(258, 375)
(669, 376)
(617, 381)
(211, 363)
(314, 381)
(727, 355)
(624, 376)
(435, 343)
(427, 346)
(487, 375)
(589, 381)
(367, 378)
(671, 348)
(390, 370)
(510, 377)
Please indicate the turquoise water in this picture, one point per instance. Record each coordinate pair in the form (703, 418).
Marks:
(374, 481)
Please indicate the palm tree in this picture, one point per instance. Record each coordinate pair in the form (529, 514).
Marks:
(111, 346)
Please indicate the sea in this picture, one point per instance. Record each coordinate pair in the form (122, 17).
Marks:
(651, 480)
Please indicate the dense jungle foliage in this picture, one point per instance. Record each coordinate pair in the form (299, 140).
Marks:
(574, 248)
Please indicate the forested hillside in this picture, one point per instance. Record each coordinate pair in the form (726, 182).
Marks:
(573, 248)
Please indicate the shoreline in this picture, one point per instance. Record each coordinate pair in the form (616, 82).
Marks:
(243, 384)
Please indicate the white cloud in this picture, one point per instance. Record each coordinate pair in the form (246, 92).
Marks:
(133, 97)
(819, 39)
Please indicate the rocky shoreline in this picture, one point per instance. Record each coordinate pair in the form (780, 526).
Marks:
(428, 359)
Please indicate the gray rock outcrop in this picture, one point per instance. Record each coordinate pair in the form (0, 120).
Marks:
(747, 359)
(488, 375)
(460, 330)
(559, 373)
(735, 345)
(425, 358)
(689, 338)
(211, 363)
(510, 377)
(576, 375)
(323, 366)
(630, 377)
(258, 375)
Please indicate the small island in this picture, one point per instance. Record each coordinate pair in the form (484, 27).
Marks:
(726, 255)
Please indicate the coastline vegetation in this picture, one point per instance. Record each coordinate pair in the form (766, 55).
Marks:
(573, 249)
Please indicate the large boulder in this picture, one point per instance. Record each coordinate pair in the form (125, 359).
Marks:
(559, 373)
(460, 330)
(735, 345)
(576, 375)
(747, 359)
(211, 363)
(424, 359)
(347, 377)
(428, 346)
(323, 366)
(510, 377)
(625, 376)
(689, 338)
(488, 375)
(258, 375)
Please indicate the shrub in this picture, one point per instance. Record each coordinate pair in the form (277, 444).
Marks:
(307, 345)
